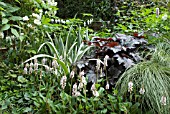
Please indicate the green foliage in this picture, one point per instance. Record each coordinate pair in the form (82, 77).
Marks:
(153, 75)
(30, 31)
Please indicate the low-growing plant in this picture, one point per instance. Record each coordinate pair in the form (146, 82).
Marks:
(121, 51)
(153, 76)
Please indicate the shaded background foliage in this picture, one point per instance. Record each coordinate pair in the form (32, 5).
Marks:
(40, 92)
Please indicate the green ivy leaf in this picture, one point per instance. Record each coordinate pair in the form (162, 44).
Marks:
(14, 31)
(5, 27)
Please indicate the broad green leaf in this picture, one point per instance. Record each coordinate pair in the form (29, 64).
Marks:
(13, 75)
(27, 96)
(63, 65)
(45, 20)
(17, 26)
(17, 1)
(101, 90)
(3, 106)
(31, 51)
(104, 111)
(14, 32)
(97, 86)
(122, 107)
(21, 79)
(134, 108)
(13, 9)
(5, 27)
(27, 109)
(3, 14)
(2, 3)
(4, 20)
(36, 104)
(15, 18)
(21, 38)
(51, 46)
(87, 14)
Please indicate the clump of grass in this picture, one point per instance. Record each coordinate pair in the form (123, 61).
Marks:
(154, 76)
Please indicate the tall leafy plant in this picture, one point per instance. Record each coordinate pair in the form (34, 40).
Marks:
(65, 50)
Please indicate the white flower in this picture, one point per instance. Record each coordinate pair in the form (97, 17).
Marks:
(67, 21)
(35, 64)
(40, 10)
(107, 86)
(12, 37)
(142, 91)
(29, 25)
(105, 60)
(93, 88)
(61, 58)
(46, 12)
(130, 86)
(98, 64)
(157, 12)
(37, 22)
(101, 72)
(74, 90)
(31, 64)
(95, 93)
(63, 82)
(25, 70)
(91, 20)
(57, 20)
(22, 34)
(83, 79)
(163, 100)
(80, 85)
(164, 17)
(54, 64)
(52, 3)
(30, 70)
(72, 74)
(47, 68)
(44, 61)
(82, 73)
(84, 24)
(1, 35)
(52, 20)
(27, 65)
(35, 60)
(25, 18)
(36, 15)
(88, 22)
(77, 94)
(62, 21)
(75, 87)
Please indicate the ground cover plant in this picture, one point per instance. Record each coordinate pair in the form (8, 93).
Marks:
(90, 61)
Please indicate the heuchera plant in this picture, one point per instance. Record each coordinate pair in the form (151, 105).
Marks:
(123, 51)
